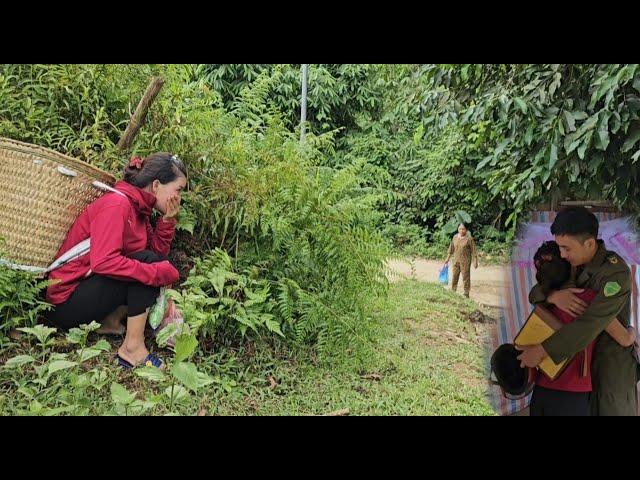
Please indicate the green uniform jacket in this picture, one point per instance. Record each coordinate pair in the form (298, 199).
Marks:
(613, 369)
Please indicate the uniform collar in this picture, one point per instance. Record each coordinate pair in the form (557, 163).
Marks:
(588, 270)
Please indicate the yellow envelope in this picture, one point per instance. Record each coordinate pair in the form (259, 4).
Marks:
(540, 325)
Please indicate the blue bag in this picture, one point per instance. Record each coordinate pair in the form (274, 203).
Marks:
(444, 274)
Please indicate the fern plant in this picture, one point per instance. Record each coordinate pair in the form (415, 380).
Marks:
(21, 302)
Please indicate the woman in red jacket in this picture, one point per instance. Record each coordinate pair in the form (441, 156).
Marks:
(127, 262)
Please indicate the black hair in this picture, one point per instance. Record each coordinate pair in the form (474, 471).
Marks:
(552, 271)
(576, 222)
(164, 167)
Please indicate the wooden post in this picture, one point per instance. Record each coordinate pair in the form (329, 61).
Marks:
(140, 115)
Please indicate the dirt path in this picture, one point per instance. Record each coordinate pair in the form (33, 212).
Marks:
(487, 282)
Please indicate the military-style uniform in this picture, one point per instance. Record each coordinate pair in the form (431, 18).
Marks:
(463, 251)
(614, 369)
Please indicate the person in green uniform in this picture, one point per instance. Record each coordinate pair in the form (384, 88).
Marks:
(614, 368)
(463, 250)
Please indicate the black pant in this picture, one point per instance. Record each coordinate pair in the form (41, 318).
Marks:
(98, 296)
(556, 403)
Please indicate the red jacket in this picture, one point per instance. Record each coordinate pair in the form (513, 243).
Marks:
(573, 378)
(118, 226)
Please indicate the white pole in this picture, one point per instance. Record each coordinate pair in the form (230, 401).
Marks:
(303, 113)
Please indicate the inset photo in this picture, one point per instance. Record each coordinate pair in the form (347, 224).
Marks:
(565, 344)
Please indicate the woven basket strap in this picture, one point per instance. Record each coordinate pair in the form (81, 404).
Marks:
(83, 247)
(104, 186)
(72, 254)
(26, 268)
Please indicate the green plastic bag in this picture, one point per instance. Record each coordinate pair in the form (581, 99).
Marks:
(158, 310)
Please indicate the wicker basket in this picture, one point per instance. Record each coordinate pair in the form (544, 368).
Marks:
(42, 192)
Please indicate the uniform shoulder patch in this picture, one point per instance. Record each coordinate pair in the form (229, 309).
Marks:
(611, 288)
(613, 259)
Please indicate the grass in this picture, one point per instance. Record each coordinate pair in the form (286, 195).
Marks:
(426, 358)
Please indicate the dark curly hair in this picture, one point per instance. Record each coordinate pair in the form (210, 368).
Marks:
(552, 271)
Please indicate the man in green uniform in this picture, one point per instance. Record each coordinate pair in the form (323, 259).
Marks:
(614, 367)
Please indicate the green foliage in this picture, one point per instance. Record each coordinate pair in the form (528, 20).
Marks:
(20, 300)
(54, 379)
(290, 239)
(429, 178)
(566, 129)
(301, 238)
(412, 359)
(337, 92)
(323, 257)
(305, 231)
(217, 300)
(50, 382)
(78, 109)
(314, 261)
(181, 377)
(491, 140)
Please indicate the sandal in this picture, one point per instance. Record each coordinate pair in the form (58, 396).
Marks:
(150, 361)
